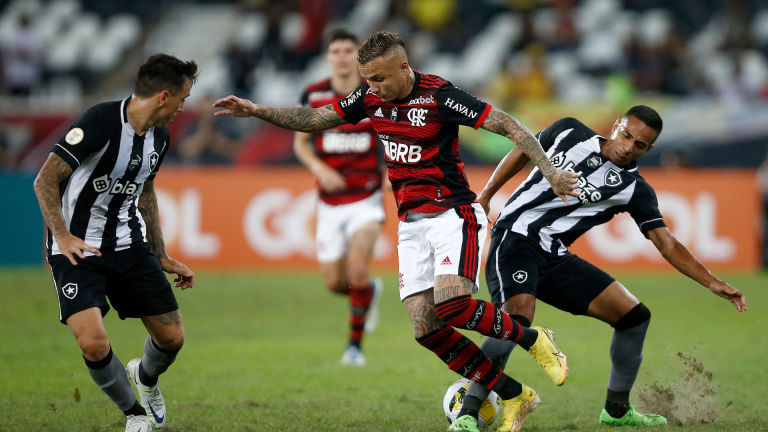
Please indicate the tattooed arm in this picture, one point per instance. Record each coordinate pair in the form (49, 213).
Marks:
(54, 171)
(563, 182)
(300, 119)
(149, 212)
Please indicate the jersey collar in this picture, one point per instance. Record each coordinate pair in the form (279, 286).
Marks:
(416, 80)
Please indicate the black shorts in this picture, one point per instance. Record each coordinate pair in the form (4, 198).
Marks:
(517, 265)
(132, 280)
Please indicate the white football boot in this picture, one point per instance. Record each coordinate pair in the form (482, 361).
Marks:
(372, 317)
(353, 356)
(149, 397)
(137, 424)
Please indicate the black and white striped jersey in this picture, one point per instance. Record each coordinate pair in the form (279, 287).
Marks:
(111, 163)
(606, 190)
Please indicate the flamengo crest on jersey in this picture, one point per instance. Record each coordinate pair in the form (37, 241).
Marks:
(110, 164)
(419, 134)
(606, 190)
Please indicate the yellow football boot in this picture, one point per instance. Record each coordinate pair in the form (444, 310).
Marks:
(515, 410)
(549, 356)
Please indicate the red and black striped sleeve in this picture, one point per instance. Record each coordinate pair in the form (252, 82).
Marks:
(352, 107)
(457, 107)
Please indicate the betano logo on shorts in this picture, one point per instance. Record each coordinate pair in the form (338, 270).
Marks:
(402, 152)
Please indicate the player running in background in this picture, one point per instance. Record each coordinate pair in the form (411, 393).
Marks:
(529, 259)
(345, 161)
(100, 246)
(442, 228)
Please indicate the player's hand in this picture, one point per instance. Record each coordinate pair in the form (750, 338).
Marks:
(184, 276)
(485, 203)
(234, 106)
(564, 183)
(726, 291)
(70, 246)
(330, 180)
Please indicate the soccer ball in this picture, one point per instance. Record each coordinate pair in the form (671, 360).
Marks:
(454, 398)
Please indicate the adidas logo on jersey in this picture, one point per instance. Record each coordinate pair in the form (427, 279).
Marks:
(378, 113)
(446, 261)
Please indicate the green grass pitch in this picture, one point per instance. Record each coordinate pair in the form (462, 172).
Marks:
(262, 354)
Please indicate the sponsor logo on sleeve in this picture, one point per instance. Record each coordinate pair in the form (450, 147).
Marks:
(459, 108)
(74, 136)
(349, 100)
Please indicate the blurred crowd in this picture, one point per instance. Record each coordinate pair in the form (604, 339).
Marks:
(595, 52)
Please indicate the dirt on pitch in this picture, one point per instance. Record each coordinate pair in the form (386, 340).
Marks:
(687, 397)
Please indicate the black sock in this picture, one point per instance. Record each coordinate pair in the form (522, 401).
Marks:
(527, 338)
(136, 410)
(355, 342)
(617, 403)
(470, 406)
(507, 388)
(146, 378)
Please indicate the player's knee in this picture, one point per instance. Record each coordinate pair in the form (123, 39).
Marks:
(638, 315)
(358, 275)
(94, 347)
(172, 341)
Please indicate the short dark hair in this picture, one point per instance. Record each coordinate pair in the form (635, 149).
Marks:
(378, 45)
(164, 72)
(647, 115)
(339, 34)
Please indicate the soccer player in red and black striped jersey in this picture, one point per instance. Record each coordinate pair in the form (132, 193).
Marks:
(442, 227)
(345, 160)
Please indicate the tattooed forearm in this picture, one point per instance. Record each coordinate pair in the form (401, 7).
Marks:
(421, 309)
(46, 185)
(450, 286)
(151, 216)
(504, 124)
(302, 119)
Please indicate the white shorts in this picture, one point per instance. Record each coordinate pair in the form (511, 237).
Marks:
(447, 244)
(336, 224)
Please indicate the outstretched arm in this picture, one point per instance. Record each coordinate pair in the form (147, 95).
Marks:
(684, 261)
(46, 185)
(149, 212)
(563, 182)
(300, 119)
(512, 163)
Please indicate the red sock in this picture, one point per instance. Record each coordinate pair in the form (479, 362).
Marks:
(359, 301)
(480, 316)
(462, 356)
